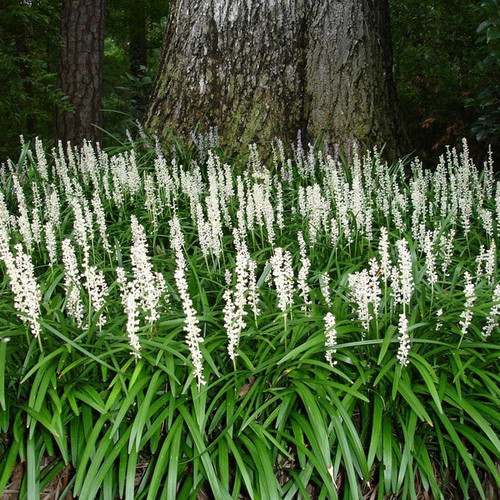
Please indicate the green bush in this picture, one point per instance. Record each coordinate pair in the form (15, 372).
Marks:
(487, 100)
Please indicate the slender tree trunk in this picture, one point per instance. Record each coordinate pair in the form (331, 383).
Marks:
(270, 68)
(27, 79)
(138, 47)
(80, 70)
(138, 51)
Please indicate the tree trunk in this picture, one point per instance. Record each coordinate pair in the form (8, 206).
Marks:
(80, 70)
(138, 46)
(138, 50)
(350, 81)
(269, 68)
(23, 56)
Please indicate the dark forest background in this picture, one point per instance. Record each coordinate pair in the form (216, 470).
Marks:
(446, 58)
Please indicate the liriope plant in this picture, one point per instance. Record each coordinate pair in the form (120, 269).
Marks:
(299, 329)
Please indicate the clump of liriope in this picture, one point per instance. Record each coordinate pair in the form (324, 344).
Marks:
(144, 291)
(244, 295)
(365, 292)
(72, 283)
(282, 276)
(191, 328)
(492, 320)
(470, 298)
(302, 283)
(21, 273)
(23, 284)
(402, 290)
(331, 338)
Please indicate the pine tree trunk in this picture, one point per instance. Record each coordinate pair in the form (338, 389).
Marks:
(23, 56)
(138, 51)
(80, 70)
(269, 68)
(138, 45)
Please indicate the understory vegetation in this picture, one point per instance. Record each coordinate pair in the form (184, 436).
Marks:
(303, 327)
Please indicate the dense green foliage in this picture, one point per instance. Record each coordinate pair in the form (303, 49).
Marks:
(439, 71)
(125, 94)
(28, 57)
(487, 100)
(362, 306)
(29, 47)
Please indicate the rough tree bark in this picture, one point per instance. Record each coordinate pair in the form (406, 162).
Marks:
(80, 70)
(264, 68)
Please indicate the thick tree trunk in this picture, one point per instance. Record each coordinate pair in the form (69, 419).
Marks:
(269, 68)
(80, 70)
(350, 82)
